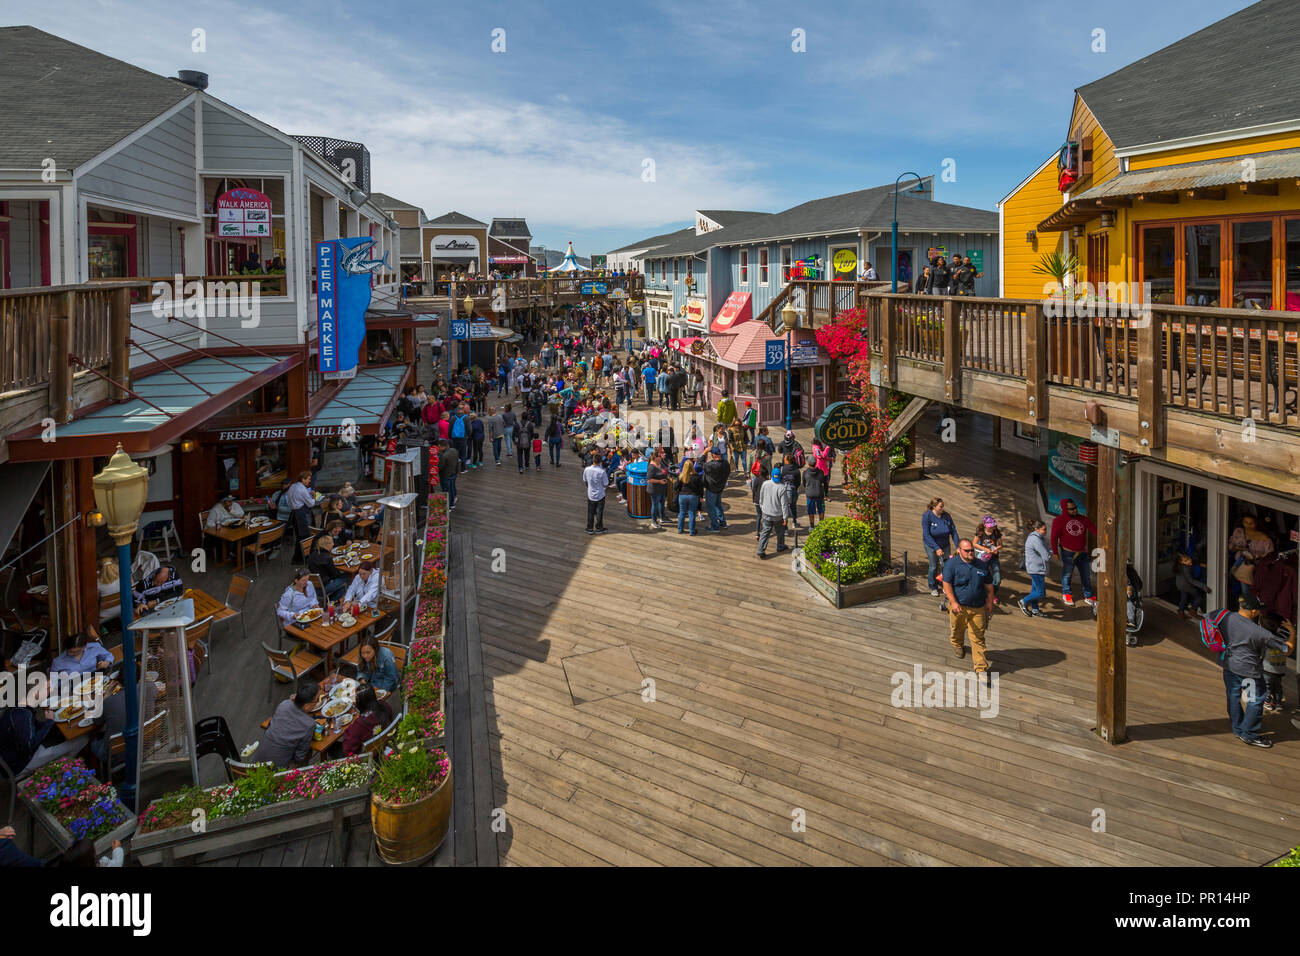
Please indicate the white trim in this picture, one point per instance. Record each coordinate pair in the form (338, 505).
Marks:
(1002, 247)
(140, 209)
(1025, 182)
(304, 253)
(144, 130)
(1245, 132)
(198, 166)
(764, 266)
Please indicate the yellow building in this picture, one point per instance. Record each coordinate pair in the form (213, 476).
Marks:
(1181, 170)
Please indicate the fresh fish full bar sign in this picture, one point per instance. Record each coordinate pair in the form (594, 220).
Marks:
(343, 277)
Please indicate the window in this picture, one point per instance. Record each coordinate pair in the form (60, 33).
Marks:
(1291, 281)
(1158, 262)
(663, 270)
(762, 267)
(257, 245)
(744, 266)
(717, 374)
(1202, 275)
(770, 383)
(1252, 265)
(787, 260)
(677, 270)
(1098, 262)
(746, 383)
(819, 380)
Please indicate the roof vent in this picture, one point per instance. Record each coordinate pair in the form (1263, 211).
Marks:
(193, 78)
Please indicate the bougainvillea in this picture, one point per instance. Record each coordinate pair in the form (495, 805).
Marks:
(848, 341)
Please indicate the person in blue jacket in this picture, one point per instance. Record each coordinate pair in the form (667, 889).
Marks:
(939, 537)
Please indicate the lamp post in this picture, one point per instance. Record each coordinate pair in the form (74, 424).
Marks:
(893, 251)
(468, 303)
(790, 319)
(121, 490)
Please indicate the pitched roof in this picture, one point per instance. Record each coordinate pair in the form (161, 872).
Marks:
(387, 202)
(745, 345)
(1240, 72)
(70, 103)
(728, 217)
(510, 229)
(454, 218)
(655, 241)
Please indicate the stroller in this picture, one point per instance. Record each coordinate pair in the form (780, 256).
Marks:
(1136, 615)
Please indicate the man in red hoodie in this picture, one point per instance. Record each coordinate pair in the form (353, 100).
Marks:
(1070, 532)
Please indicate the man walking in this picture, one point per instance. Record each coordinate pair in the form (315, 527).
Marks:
(970, 601)
(1245, 643)
(772, 504)
(1070, 532)
(597, 481)
(716, 471)
(648, 376)
(448, 468)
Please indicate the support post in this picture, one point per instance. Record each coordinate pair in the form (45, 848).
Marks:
(951, 351)
(60, 361)
(119, 330)
(888, 341)
(1151, 400)
(882, 480)
(1114, 494)
(1036, 365)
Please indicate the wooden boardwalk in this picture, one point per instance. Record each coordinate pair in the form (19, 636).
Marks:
(648, 699)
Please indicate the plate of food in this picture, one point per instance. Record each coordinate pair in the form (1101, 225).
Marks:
(163, 605)
(367, 557)
(336, 708)
(347, 620)
(344, 720)
(151, 675)
(86, 722)
(347, 687)
(341, 549)
(69, 712)
(380, 693)
(309, 615)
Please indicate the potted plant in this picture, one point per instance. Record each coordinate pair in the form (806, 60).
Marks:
(843, 562)
(70, 803)
(410, 800)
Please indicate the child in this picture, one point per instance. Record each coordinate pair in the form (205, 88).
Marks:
(1191, 592)
(988, 542)
(1274, 666)
(537, 450)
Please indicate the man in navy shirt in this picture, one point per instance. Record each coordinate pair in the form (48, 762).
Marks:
(970, 600)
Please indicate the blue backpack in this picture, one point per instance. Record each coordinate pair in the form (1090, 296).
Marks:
(458, 427)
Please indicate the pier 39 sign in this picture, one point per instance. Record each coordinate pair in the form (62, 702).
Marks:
(844, 425)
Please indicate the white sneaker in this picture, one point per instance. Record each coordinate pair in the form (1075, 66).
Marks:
(934, 592)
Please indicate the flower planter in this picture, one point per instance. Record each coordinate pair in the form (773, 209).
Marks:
(860, 592)
(408, 834)
(63, 839)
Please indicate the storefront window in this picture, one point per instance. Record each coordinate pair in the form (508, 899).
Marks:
(257, 247)
(228, 470)
(1158, 263)
(270, 463)
(746, 386)
(819, 381)
(1252, 265)
(717, 375)
(107, 256)
(1202, 244)
(1292, 303)
(770, 383)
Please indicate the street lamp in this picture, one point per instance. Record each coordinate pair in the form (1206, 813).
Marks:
(121, 490)
(790, 319)
(893, 252)
(467, 304)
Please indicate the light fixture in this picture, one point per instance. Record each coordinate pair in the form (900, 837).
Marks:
(1076, 231)
(1030, 236)
(468, 304)
(1107, 220)
(94, 519)
(789, 317)
(188, 445)
(120, 493)
(358, 197)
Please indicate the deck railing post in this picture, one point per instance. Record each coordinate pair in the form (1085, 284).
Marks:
(1150, 374)
(1036, 364)
(119, 330)
(60, 364)
(888, 341)
(951, 351)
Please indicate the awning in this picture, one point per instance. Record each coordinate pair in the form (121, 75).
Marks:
(365, 403)
(735, 310)
(1212, 179)
(682, 345)
(21, 482)
(167, 404)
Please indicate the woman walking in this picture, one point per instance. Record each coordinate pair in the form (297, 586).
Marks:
(938, 537)
(554, 440)
(1037, 554)
(688, 498)
(508, 425)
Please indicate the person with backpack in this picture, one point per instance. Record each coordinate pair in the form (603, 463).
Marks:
(460, 436)
(790, 446)
(791, 479)
(715, 473)
(814, 489)
(555, 441)
(1242, 644)
(749, 422)
(763, 444)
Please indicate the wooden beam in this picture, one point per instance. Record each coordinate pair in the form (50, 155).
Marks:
(119, 330)
(1114, 493)
(906, 419)
(888, 342)
(60, 358)
(1170, 198)
(1151, 396)
(1211, 192)
(1114, 202)
(951, 351)
(882, 481)
(1259, 189)
(1036, 363)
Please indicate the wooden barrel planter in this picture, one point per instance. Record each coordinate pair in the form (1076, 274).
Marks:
(408, 834)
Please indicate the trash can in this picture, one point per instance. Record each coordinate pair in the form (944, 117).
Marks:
(638, 491)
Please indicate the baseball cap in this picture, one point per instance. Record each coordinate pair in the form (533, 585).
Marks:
(776, 474)
(1249, 602)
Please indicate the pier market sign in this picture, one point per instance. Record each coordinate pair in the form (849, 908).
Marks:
(843, 426)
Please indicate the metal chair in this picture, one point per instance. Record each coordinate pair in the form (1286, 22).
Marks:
(263, 545)
(376, 743)
(159, 533)
(212, 736)
(198, 638)
(236, 596)
(236, 769)
(290, 666)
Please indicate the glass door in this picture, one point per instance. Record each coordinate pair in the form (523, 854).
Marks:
(1202, 272)
(1291, 279)
(1182, 521)
(1159, 263)
(1252, 264)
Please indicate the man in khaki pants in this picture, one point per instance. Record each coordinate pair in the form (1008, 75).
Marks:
(970, 601)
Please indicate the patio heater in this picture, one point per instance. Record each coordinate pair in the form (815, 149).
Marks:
(893, 249)
(121, 490)
(401, 553)
(789, 319)
(166, 715)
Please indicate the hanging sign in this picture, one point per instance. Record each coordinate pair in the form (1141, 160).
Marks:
(844, 426)
(243, 212)
(846, 260)
(774, 355)
(343, 274)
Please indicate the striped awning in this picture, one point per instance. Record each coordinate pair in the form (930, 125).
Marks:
(1254, 172)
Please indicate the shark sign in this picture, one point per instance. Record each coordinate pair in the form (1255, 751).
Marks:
(343, 274)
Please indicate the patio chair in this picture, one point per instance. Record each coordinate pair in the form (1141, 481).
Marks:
(289, 666)
(319, 585)
(236, 596)
(376, 743)
(198, 638)
(14, 779)
(151, 735)
(212, 736)
(266, 542)
(159, 533)
(236, 769)
(353, 657)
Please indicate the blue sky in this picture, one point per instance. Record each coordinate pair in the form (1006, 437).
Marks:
(559, 127)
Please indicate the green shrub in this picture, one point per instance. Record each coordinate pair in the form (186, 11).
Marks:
(853, 542)
(1291, 859)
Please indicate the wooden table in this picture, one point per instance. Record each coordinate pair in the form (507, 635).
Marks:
(341, 560)
(330, 736)
(70, 729)
(205, 605)
(237, 534)
(362, 517)
(326, 637)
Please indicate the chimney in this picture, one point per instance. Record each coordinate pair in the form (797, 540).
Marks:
(193, 78)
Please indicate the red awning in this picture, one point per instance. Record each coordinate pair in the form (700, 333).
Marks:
(735, 310)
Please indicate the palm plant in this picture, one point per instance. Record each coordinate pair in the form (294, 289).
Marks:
(1057, 265)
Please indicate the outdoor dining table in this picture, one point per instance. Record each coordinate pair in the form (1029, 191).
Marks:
(341, 560)
(237, 534)
(332, 731)
(72, 729)
(205, 605)
(327, 637)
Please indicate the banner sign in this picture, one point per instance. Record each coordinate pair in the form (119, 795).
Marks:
(507, 260)
(936, 251)
(843, 426)
(774, 355)
(594, 288)
(343, 276)
(845, 260)
(736, 309)
(807, 268)
(243, 212)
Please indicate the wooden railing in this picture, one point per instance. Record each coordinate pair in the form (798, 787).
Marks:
(40, 326)
(551, 287)
(1233, 363)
